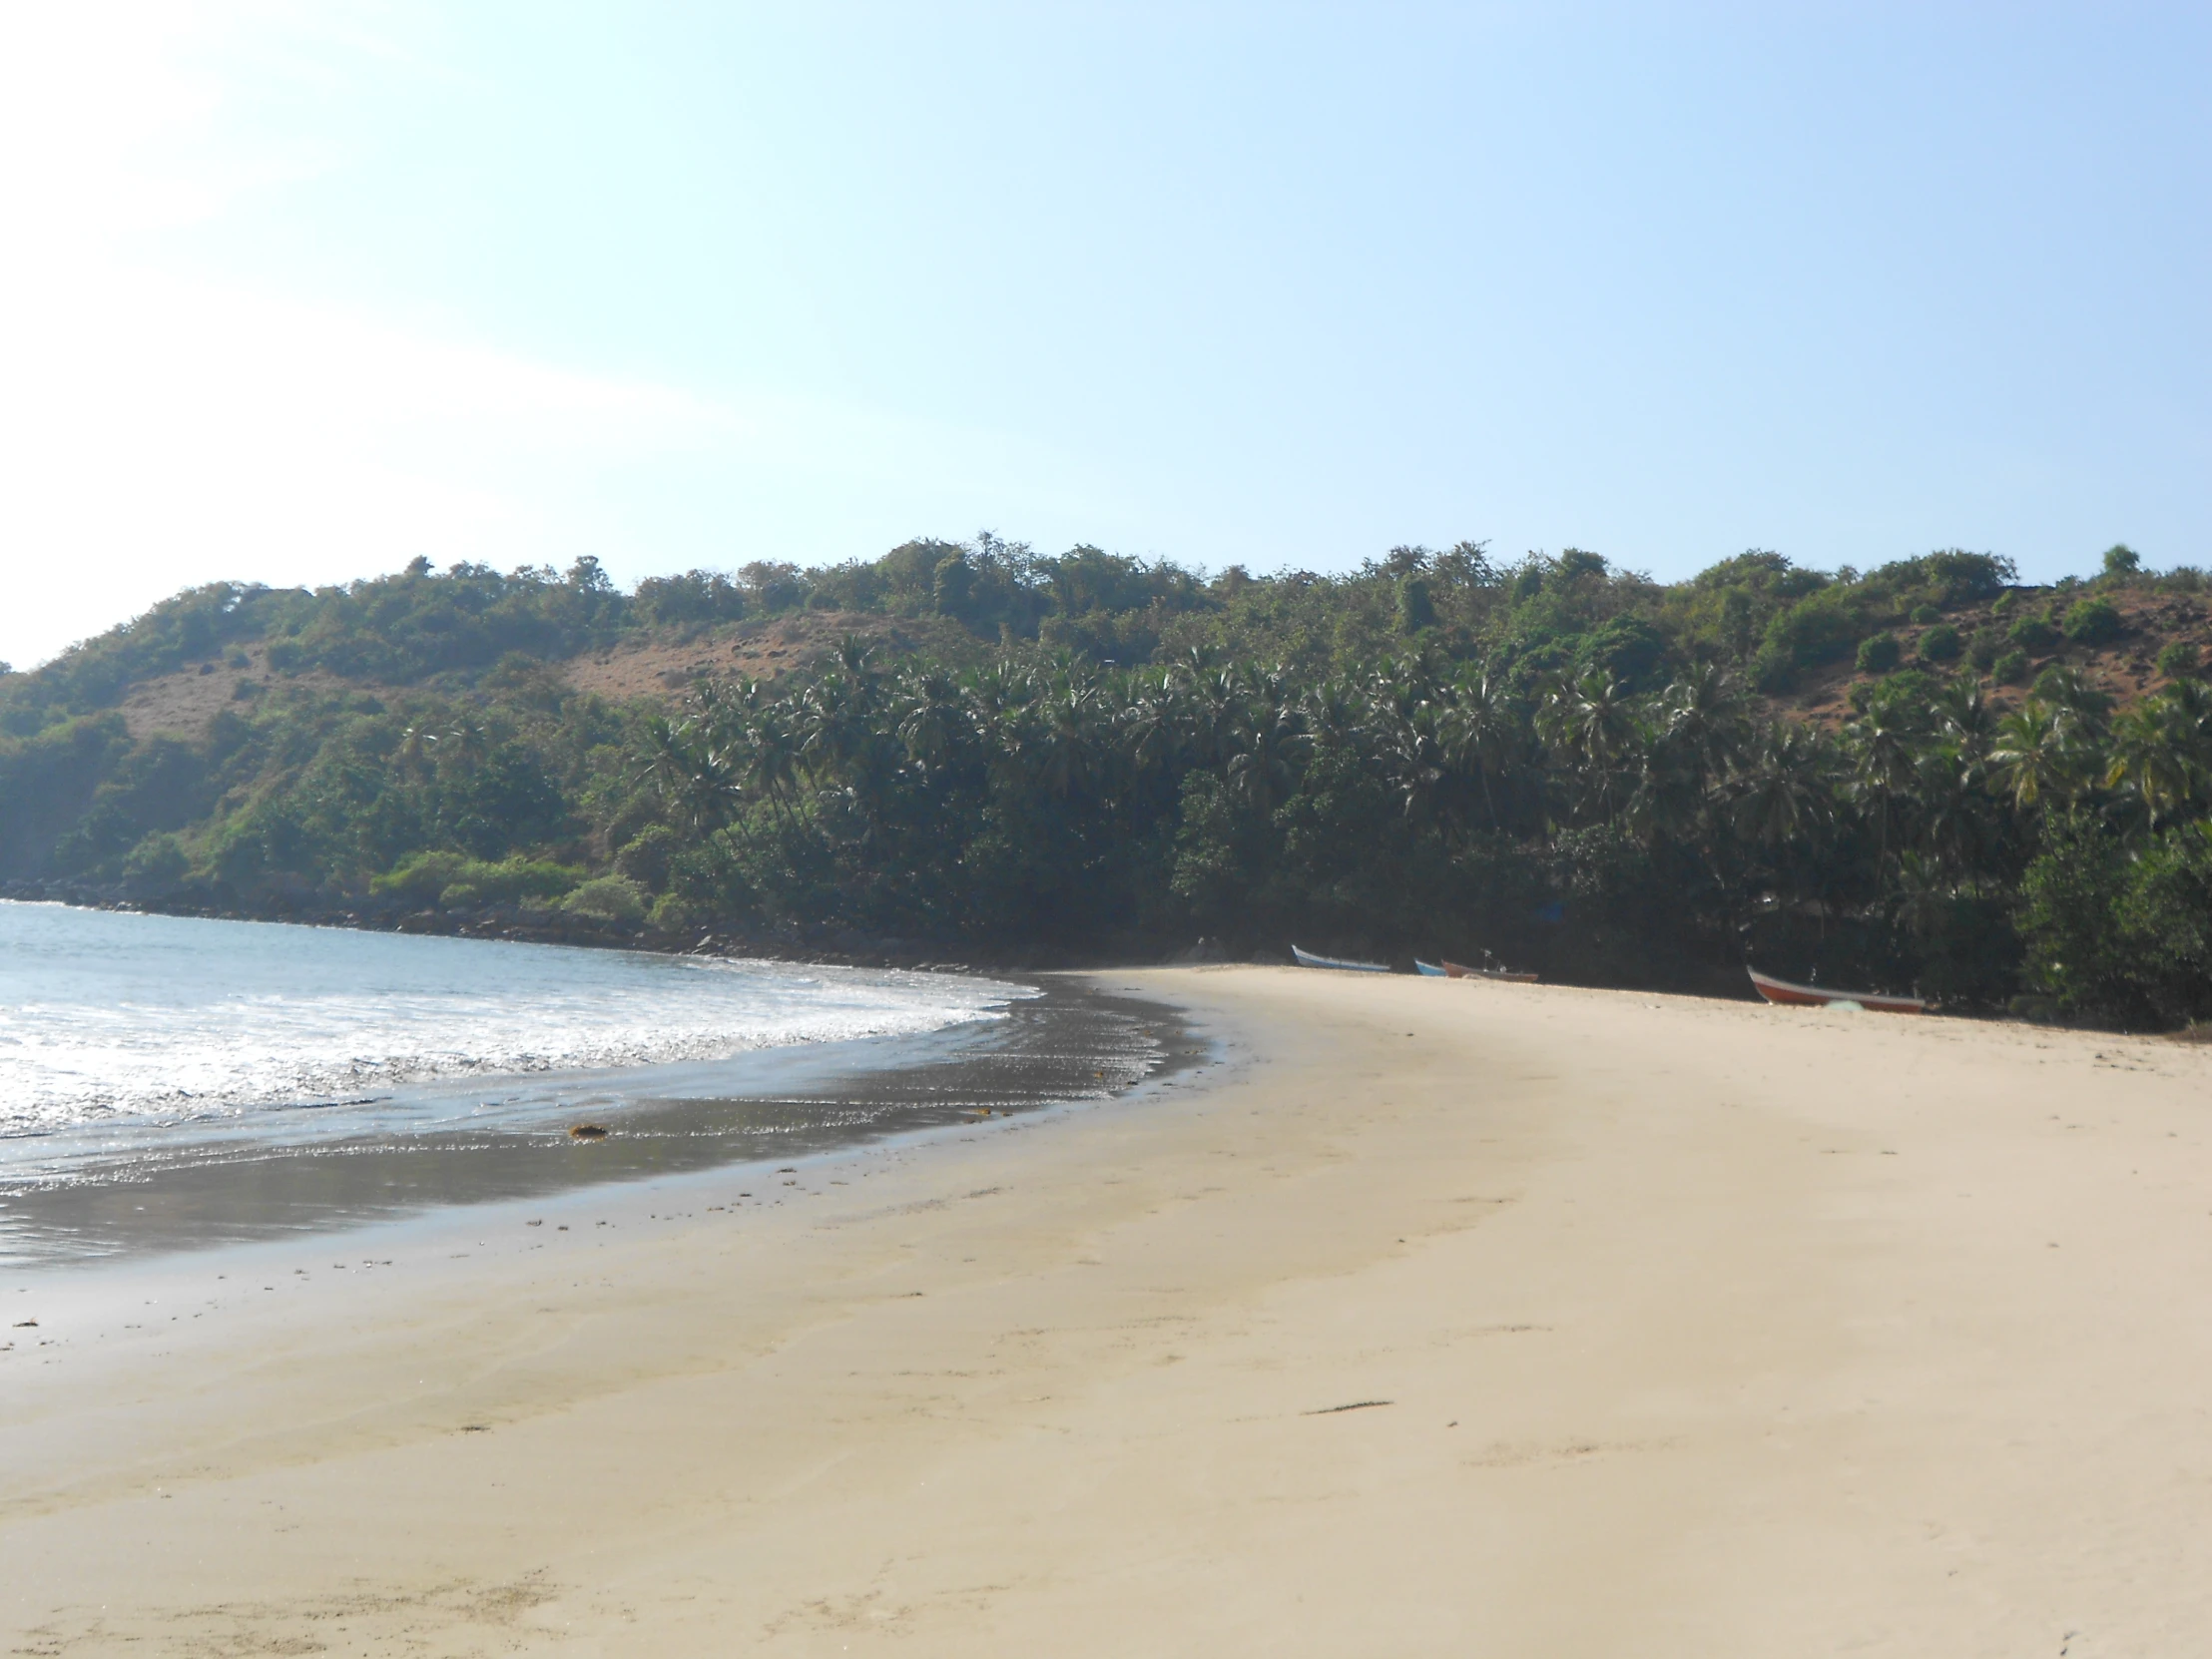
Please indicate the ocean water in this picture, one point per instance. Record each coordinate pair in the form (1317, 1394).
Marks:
(168, 1082)
(115, 1026)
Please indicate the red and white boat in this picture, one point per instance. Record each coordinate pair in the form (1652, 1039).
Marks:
(1789, 996)
(1511, 976)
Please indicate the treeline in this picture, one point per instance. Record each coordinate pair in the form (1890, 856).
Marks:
(1557, 762)
(1758, 613)
(2058, 851)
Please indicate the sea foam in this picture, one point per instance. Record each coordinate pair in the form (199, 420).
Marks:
(111, 1018)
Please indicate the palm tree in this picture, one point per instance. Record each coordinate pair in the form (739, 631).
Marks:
(1924, 895)
(2185, 710)
(764, 752)
(1593, 720)
(465, 742)
(1479, 730)
(2035, 756)
(1064, 746)
(1269, 741)
(1704, 714)
(1209, 702)
(2150, 760)
(857, 657)
(1697, 737)
(1150, 720)
(417, 752)
(1407, 744)
(930, 720)
(1885, 760)
(1336, 711)
(1965, 715)
(1778, 794)
(2078, 703)
(695, 792)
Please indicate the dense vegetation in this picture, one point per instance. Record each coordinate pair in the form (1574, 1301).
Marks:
(1923, 775)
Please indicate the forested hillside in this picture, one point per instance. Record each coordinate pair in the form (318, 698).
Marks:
(1922, 775)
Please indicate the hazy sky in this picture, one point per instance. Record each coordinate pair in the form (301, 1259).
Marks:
(292, 293)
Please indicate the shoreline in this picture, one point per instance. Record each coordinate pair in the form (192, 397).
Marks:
(1434, 1318)
(227, 1183)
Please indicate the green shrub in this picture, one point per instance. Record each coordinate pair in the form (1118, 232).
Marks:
(2122, 936)
(1903, 697)
(607, 899)
(1817, 629)
(2178, 660)
(156, 865)
(644, 857)
(1941, 643)
(1962, 578)
(697, 596)
(673, 915)
(1983, 649)
(1924, 615)
(2121, 562)
(2032, 635)
(427, 876)
(461, 896)
(2093, 622)
(2005, 604)
(1879, 653)
(2009, 669)
(1627, 648)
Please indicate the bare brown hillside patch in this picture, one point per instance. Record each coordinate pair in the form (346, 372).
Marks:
(185, 703)
(2125, 668)
(663, 664)
(660, 664)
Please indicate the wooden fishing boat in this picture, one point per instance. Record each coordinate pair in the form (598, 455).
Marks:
(1305, 959)
(1428, 971)
(1511, 976)
(1789, 995)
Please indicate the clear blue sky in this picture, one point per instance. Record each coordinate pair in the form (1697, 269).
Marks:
(295, 294)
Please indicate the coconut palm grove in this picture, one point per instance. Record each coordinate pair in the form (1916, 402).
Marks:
(1921, 777)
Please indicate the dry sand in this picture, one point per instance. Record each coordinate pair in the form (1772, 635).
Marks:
(1675, 1327)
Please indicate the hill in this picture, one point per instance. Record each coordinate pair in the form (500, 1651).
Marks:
(1924, 773)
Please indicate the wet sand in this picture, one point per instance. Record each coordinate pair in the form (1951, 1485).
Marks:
(1439, 1319)
(233, 1183)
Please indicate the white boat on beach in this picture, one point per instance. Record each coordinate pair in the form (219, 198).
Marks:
(1305, 959)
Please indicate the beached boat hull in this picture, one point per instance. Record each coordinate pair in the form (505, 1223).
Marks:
(1786, 995)
(1460, 970)
(1305, 959)
(1428, 971)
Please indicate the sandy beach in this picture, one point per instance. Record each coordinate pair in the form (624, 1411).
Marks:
(1433, 1318)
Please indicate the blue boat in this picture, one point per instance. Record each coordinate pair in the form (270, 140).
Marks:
(1305, 959)
(1430, 970)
